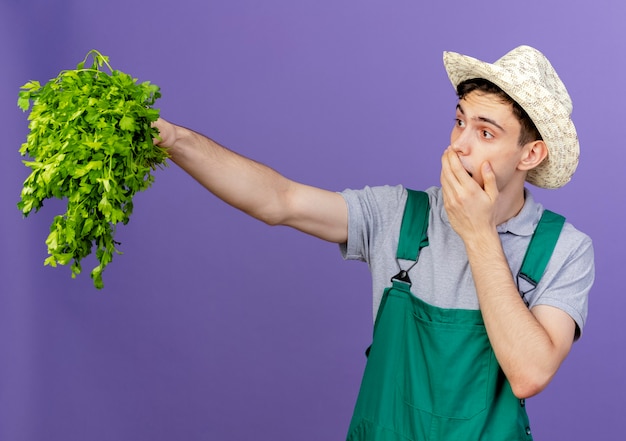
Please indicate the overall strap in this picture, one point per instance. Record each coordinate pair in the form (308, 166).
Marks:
(540, 249)
(413, 237)
(413, 231)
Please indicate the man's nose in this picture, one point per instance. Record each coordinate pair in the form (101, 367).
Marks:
(461, 144)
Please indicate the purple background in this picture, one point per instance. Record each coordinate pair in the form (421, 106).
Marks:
(213, 326)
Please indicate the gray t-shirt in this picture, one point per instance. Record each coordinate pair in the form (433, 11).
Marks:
(442, 276)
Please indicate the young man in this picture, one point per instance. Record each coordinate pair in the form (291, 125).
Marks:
(462, 336)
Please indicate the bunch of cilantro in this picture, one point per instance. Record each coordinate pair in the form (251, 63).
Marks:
(91, 142)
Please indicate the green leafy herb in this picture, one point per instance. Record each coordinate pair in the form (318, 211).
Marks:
(90, 142)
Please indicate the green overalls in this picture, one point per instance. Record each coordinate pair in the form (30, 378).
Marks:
(431, 373)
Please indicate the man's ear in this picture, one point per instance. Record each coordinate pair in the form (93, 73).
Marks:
(534, 154)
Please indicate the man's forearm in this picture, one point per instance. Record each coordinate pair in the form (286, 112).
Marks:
(254, 188)
(522, 346)
(239, 181)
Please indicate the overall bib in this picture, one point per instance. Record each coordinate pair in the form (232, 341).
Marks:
(431, 373)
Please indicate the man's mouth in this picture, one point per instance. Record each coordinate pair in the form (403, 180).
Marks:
(466, 168)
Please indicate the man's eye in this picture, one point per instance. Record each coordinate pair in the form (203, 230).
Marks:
(487, 134)
(459, 122)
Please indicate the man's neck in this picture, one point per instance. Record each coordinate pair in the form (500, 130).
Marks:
(509, 206)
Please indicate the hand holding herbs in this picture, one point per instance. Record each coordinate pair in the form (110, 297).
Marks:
(91, 142)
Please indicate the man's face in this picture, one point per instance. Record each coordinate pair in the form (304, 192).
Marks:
(487, 130)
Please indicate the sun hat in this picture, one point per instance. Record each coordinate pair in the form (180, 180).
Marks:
(527, 76)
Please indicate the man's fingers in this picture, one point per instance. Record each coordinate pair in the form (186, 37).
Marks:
(448, 178)
(453, 170)
(166, 133)
(489, 181)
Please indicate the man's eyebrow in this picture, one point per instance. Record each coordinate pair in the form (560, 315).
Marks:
(481, 118)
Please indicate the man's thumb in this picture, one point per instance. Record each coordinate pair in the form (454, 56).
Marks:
(489, 180)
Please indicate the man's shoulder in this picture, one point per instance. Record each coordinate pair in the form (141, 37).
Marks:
(573, 236)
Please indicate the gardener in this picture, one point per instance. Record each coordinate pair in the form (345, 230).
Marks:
(470, 318)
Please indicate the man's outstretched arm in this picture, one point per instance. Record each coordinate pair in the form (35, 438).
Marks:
(254, 188)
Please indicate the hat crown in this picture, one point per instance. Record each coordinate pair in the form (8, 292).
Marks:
(528, 63)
